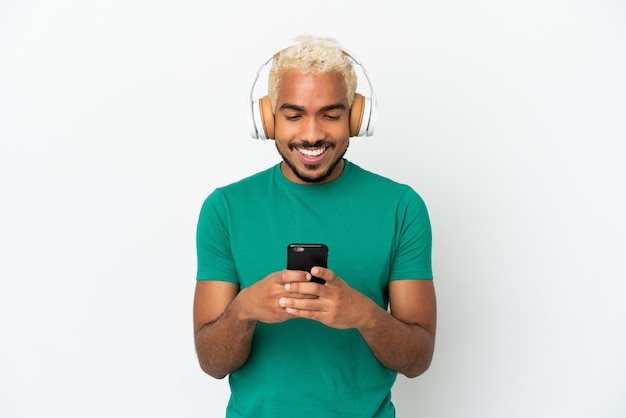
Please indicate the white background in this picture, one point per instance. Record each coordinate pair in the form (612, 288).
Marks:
(117, 119)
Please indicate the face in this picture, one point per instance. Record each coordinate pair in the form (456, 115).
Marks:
(312, 126)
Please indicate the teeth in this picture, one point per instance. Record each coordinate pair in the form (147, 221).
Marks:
(312, 152)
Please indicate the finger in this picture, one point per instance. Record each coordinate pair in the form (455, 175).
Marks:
(324, 273)
(303, 288)
(301, 313)
(295, 305)
(290, 276)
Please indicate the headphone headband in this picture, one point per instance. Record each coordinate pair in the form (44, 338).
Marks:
(362, 113)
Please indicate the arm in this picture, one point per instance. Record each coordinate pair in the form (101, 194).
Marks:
(403, 340)
(225, 318)
(222, 339)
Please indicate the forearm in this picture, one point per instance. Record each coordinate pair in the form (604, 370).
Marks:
(406, 348)
(223, 345)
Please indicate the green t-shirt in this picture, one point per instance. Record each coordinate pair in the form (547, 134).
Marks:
(377, 230)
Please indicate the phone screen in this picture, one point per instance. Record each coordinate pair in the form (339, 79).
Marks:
(306, 256)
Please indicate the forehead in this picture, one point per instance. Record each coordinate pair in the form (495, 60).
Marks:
(297, 87)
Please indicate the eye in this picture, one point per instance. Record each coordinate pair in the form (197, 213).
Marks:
(293, 117)
(332, 116)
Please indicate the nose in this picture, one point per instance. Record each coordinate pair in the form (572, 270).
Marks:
(312, 130)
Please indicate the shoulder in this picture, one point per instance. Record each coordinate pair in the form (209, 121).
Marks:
(362, 174)
(247, 186)
(382, 186)
(250, 182)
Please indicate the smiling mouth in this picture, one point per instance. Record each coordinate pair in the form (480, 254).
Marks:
(312, 152)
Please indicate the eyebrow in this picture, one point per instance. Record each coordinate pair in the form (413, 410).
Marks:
(336, 106)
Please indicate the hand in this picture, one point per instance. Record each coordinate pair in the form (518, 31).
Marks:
(260, 301)
(335, 304)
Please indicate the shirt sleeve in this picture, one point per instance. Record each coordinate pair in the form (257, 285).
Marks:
(215, 261)
(412, 258)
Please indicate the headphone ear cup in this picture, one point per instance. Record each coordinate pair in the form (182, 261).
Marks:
(356, 114)
(262, 119)
(360, 116)
(361, 121)
(267, 117)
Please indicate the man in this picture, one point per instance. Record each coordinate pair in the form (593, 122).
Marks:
(293, 347)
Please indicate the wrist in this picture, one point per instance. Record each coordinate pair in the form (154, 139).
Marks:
(371, 316)
(237, 308)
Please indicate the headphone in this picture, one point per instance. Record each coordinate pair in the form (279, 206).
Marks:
(362, 113)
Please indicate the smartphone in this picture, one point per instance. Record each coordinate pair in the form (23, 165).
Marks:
(306, 256)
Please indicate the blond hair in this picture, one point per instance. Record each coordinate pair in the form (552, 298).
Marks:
(316, 55)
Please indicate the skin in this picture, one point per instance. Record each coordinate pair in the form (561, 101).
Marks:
(312, 112)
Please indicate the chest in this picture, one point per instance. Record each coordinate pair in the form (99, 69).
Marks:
(360, 234)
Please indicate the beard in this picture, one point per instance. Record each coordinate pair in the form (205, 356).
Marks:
(312, 179)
